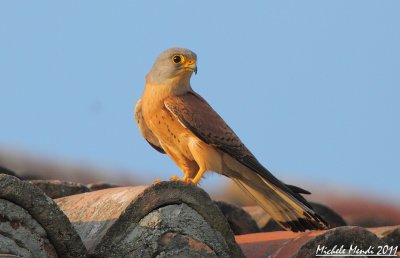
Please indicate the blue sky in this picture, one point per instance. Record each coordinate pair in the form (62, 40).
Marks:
(311, 87)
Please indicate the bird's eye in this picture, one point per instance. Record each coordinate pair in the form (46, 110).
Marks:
(178, 59)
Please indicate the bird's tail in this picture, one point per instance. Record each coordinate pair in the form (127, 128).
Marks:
(282, 202)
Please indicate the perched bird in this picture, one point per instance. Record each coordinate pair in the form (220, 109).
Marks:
(177, 121)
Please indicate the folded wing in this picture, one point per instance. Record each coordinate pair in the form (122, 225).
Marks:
(283, 202)
(144, 130)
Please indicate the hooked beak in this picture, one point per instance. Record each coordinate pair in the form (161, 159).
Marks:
(191, 65)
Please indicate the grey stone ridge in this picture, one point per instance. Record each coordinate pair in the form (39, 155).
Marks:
(100, 186)
(392, 237)
(342, 236)
(22, 235)
(57, 189)
(167, 219)
(6, 171)
(239, 220)
(32, 225)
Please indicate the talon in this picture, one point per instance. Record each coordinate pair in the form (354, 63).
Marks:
(157, 180)
(175, 178)
(186, 179)
(183, 179)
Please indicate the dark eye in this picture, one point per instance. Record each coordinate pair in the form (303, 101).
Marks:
(177, 59)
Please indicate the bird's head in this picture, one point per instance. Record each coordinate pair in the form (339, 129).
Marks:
(174, 64)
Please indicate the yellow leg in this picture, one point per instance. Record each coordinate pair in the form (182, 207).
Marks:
(198, 176)
(184, 164)
(157, 180)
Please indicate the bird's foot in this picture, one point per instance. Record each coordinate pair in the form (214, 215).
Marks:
(183, 179)
(157, 180)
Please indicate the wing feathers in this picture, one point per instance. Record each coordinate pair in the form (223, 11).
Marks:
(283, 202)
(281, 207)
(144, 130)
(199, 117)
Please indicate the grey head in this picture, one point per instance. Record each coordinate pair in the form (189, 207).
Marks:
(173, 63)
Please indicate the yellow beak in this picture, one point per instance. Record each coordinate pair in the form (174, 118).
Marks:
(191, 65)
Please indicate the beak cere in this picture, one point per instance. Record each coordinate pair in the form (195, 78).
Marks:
(191, 64)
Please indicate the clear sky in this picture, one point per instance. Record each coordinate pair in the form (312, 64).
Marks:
(311, 87)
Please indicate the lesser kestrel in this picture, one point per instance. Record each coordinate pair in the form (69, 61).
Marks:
(175, 120)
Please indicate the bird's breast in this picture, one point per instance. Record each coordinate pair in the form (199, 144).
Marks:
(167, 128)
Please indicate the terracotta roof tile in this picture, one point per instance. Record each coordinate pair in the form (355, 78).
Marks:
(167, 219)
(131, 220)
